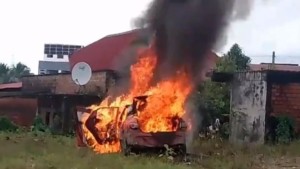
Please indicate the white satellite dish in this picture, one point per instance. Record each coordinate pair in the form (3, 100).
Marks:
(81, 73)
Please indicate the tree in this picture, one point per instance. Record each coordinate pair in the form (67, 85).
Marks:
(17, 71)
(226, 64)
(214, 98)
(241, 61)
(4, 70)
(13, 73)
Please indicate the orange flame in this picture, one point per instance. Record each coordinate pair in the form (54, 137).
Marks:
(164, 106)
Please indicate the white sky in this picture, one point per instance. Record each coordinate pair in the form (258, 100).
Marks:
(27, 25)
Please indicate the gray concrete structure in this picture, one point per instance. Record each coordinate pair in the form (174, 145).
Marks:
(256, 98)
(48, 67)
(56, 58)
(248, 108)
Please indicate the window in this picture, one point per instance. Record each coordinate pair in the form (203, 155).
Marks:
(49, 56)
(60, 56)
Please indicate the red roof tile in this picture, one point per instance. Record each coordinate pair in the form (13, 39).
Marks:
(11, 86)
(101, 54)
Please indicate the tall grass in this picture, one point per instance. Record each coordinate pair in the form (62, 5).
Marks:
(27, 151)
(44, 151)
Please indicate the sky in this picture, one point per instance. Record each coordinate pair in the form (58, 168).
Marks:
(274, 25)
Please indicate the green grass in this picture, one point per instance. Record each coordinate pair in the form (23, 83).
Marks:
(26, 151)
(223, 155)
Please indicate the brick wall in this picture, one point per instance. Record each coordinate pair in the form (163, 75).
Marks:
(63, 84)
(19, 110)
(286, 100)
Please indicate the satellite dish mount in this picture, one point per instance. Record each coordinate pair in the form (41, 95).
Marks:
(81, 74)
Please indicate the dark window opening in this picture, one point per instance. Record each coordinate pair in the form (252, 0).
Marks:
(49, 56)
(60, 56)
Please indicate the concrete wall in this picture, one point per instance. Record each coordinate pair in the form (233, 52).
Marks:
(248, 102)
(19, 110)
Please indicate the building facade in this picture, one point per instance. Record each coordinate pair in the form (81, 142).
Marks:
(257, 97)
(56, 58)
(109, 51)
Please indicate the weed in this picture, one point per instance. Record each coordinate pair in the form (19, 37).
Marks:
(26, 150)
(285, 129)
(6, 125)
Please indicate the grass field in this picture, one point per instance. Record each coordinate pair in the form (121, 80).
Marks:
(26, 151)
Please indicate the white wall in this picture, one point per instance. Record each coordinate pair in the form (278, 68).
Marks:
(55, 59)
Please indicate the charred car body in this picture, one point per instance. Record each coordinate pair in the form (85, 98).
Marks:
(132, 138)
(126, 130)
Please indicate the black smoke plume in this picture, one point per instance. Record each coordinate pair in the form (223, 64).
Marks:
(186, 31)
(127, 58)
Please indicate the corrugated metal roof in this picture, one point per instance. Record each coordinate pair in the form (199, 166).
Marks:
(47, 65)
(11, 86)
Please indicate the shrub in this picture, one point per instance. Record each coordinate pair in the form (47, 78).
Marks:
(7, 126)
(38, 125)
(225, 130)
(285, 129)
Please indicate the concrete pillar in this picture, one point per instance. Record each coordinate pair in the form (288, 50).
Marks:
(65, 115)
(248, 108)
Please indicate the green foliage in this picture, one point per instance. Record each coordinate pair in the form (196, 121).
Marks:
(6, 125)
(24, 151)
(13, 73)
(214, 97)
(215, 100)
(17, 71)
(4, 70)
(285, 129)
(38, 125)
(225, 130)
(226, 64)
(239, 58)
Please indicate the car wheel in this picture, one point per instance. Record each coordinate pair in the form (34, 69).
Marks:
(126, 149)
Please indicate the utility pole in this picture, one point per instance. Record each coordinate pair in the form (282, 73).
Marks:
(273, 58)
(273, 61)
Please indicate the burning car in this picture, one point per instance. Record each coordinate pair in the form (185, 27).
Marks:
(122, 131)
(125, 123)
(133, 138)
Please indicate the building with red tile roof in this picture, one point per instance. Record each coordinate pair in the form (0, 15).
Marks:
(102, 54)
(12, 86)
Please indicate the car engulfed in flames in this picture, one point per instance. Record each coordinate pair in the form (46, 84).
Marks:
(124, 134)
(133, 138)
(149, 115)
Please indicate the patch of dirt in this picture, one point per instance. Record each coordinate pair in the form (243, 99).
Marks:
(282, 163)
